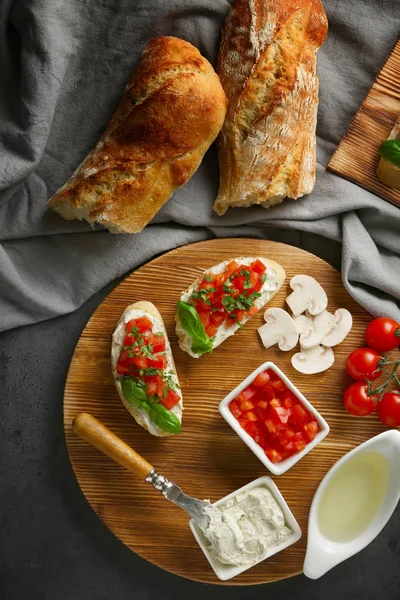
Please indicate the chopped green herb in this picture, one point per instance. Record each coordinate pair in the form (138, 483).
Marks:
(207, 278)
(263, 278)
(228, 303)
(227, 286)
(233, 276)
(159, 333)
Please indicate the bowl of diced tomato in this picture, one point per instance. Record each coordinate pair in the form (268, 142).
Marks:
(273, 418)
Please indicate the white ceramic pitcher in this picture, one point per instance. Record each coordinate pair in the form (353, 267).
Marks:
(323, 553)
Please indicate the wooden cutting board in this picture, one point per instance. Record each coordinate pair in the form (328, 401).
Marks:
(356, 157)
(208, 460)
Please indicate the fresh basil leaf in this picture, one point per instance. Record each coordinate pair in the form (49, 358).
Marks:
(390, 151)
(165, 419)
(134, 394)
(161, 416)
(190, 321)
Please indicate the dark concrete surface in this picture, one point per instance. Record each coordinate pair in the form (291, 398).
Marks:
(53, 546)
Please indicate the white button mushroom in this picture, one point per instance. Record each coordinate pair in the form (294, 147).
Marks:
(314, 360)
(304, 323)
(318, 328)
(307, 294)
(340, 329)
(279, 329)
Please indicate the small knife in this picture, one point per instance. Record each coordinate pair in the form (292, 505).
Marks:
(98, 435)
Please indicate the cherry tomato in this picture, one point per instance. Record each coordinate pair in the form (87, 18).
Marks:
(388, 409)
(383, 335)
(363, 363)
(357, 401)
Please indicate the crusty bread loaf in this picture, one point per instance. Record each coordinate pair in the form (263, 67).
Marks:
(172, 110)
(267, 66)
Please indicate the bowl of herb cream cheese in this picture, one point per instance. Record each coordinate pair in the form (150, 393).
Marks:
(245, 528)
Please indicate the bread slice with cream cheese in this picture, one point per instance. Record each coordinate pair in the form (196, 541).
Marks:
(192, 336)
(141, 416)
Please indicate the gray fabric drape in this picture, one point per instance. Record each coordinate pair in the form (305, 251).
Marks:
(63, 69)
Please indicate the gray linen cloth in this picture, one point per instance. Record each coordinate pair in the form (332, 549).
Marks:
(63, 69)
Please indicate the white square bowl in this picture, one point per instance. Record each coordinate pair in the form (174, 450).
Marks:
(287, 463)
(225, 572)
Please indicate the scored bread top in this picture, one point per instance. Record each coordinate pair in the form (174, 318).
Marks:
(171, 111)
(267, 67)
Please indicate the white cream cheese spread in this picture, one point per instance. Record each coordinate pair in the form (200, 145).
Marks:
(243, 529)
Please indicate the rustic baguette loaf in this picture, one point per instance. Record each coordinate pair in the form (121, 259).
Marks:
(267, 66)
(172, 110)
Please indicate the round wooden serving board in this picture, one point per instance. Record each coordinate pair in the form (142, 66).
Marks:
(208, 460)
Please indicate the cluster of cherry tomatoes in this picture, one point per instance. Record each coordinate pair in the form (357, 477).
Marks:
(366, 365)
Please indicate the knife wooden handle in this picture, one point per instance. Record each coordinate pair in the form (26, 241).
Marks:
(99, 436)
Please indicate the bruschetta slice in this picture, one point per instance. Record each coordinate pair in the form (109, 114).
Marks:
(223, 299)
(389, 166)
(144, 370)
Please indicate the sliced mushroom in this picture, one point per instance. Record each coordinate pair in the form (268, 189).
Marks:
(307, 294)
(319, 326)
(341, 328)
(304, 323)
(279, 329)
(314, 360)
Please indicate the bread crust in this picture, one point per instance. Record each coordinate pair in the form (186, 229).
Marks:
(172, 110)
(267, 66)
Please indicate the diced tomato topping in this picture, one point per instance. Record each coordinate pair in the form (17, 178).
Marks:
(171, 399)
(270, 425)
(235, 410)
(232, 267)
(311, 430)
(151, 388)
(252, 311)
(242, 422)
(122, 369)
(273, 455)
(299, 414)
(157, 342)
(258, 266)
(278, 385)
(263, 404)
(258, 286)
(217, 318)
(205, 318)
(248, 393)
(211, 330)
(250, 416)
(253, 279)
(261, 379)
(128, 340)
(251, 428)
(219, 279)
(124, 358)
(275, 402)
(239, 283)
(288, 402)
(245, 405)
(141, 362)
(142, 323)
(281, 415)
(274, 417)
(230, 322)
(158, 362)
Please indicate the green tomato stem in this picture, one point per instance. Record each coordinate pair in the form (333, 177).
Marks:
(381, 389)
